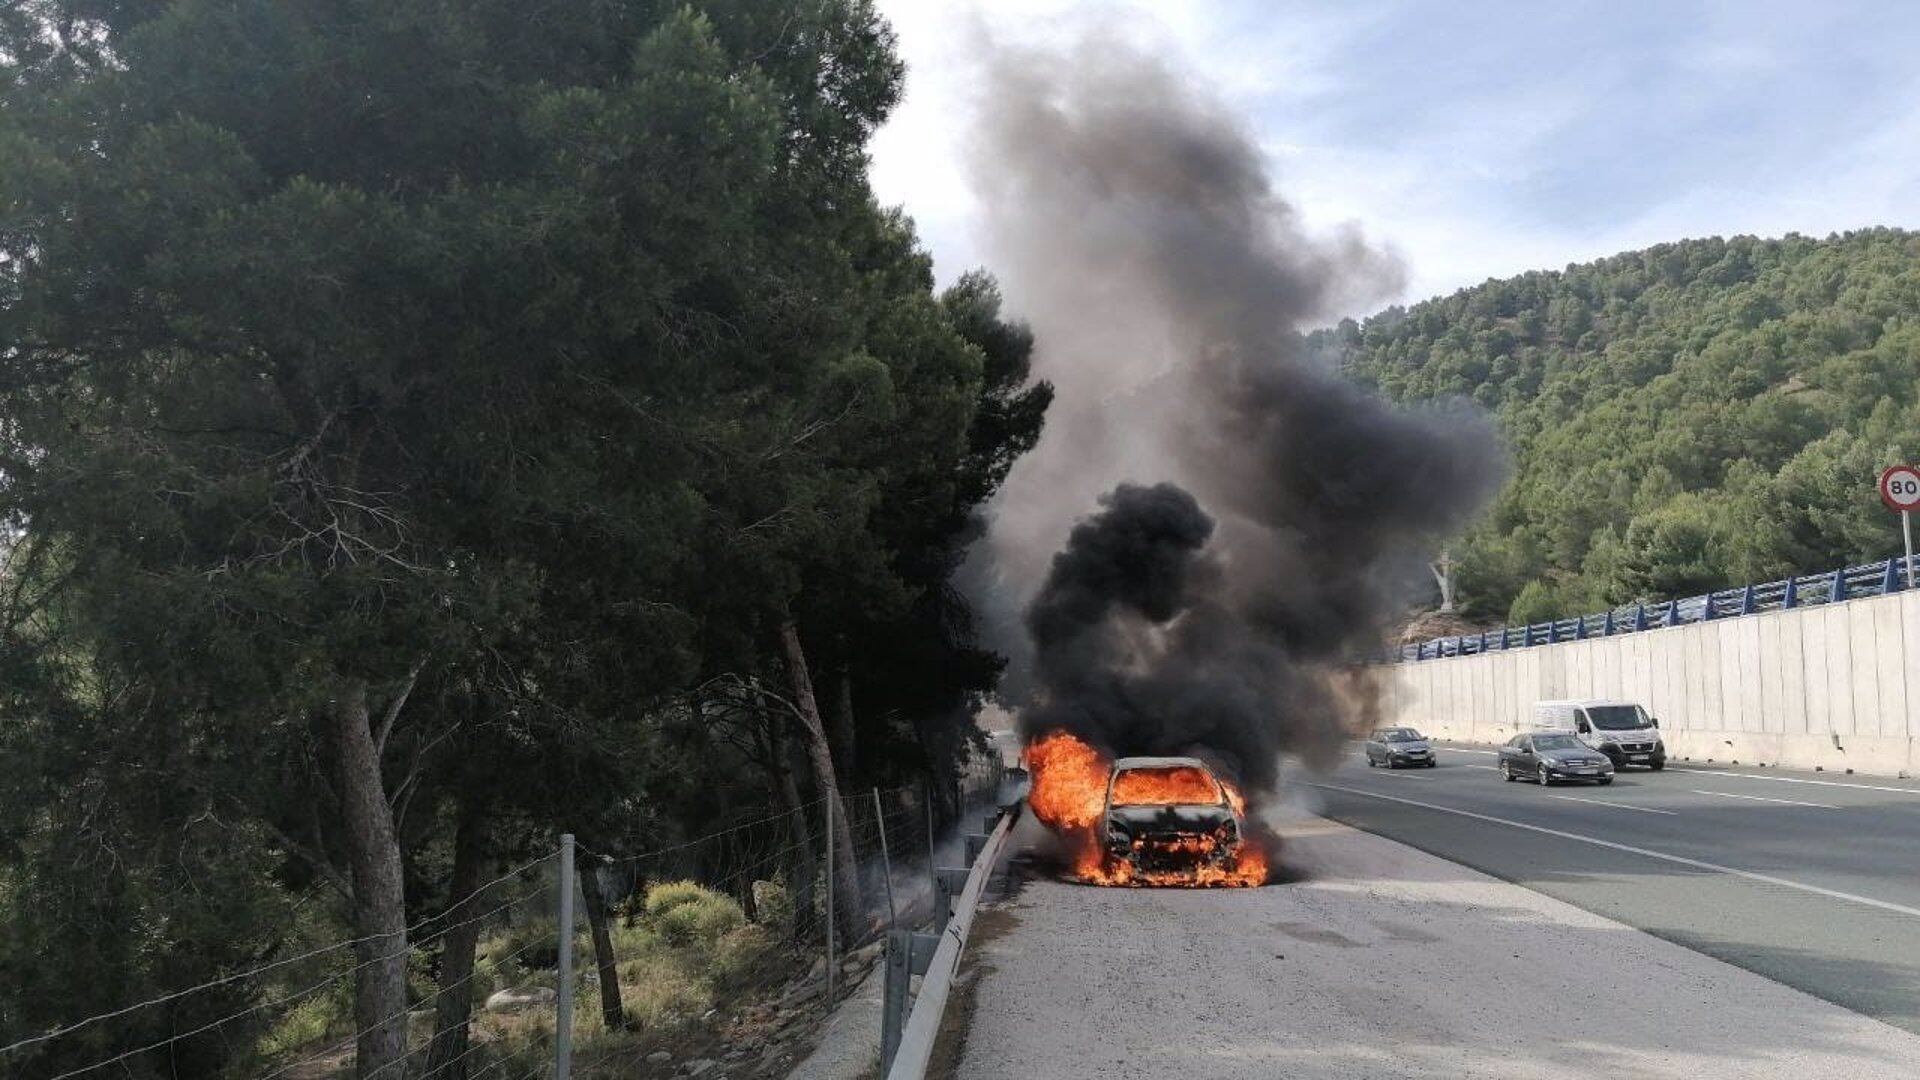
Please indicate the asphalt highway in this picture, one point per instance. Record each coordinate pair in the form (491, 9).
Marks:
(1811, 879)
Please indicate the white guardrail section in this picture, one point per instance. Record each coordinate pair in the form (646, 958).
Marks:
(908, 954)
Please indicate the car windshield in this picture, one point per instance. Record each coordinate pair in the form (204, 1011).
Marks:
(1617, 717)
(1400, 735)
(1556, 742)
(1175, 785)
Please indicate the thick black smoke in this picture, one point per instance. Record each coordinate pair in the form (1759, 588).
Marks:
(1262, 517)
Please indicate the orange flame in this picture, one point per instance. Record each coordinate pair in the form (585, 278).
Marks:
(1068, 794)
(1069, 782)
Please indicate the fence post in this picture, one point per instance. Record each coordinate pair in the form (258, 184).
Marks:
(1606, 628)
(1838, 590)
(1790, 596)
(563, 1002)
(1746, 601)
(933, 873)
(1890, 580)
(830, 877)
(1639, 616)
(1673, 612)
(886, 860)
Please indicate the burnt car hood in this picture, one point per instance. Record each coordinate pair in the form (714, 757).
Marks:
(1157, 820)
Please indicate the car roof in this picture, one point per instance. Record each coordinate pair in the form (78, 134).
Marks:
(1582, 703)
(1159, 763)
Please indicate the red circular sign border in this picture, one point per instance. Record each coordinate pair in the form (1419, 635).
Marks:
(1887, 474)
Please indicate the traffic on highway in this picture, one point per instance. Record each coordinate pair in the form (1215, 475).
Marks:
(1804, 877)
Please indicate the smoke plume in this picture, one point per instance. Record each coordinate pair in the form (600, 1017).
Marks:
(1258, 517)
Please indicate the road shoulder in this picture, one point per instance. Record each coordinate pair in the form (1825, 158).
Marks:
(1386, 962)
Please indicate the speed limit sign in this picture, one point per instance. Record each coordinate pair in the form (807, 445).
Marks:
(1900, 488)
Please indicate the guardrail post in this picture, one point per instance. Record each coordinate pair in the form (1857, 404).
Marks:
(1890, 580)
(1606, 628)
(1673, 612)
(1639, 616)
(1837, 591)
(893, 1012)
(1580, 628)
(1790, 596)
(1706, 609)
(1746, 601)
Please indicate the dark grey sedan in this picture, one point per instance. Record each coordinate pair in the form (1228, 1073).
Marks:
(1549, 756)
(1397, 746)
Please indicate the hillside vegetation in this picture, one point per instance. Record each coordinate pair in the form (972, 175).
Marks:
(1692, 416)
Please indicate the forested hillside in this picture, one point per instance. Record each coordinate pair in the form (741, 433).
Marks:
(1691, 416)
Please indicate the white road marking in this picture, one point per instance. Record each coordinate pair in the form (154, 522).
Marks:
(1763, 798)
(1742, 775)
(1795, 780)
(1682, 860)
(1489, 768)
(1615, 805)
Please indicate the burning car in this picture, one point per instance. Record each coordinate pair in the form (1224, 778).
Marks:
(1169, 814)
(1157, 821)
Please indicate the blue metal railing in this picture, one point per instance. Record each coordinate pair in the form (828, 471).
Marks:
(1852, 583)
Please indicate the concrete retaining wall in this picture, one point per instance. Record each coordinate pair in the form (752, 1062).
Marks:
(1833, 686)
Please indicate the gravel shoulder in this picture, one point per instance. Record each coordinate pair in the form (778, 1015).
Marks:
(1385, 962)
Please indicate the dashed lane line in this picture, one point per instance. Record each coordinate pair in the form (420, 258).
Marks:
(1681, 860)
(1763, 798)
(1794, 780)
(1615, 805)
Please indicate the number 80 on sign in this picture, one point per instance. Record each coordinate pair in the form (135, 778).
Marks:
(1900, 488)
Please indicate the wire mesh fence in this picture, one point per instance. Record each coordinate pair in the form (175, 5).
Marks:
(721, 954)
(289, 1017)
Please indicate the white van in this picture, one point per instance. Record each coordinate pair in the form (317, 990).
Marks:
(1621, 730)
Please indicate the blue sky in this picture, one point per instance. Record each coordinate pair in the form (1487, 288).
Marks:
(1483, 139)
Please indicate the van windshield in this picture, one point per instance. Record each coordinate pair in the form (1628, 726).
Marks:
(1617, 717)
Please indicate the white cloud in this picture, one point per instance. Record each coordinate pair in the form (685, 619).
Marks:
(1478, 146)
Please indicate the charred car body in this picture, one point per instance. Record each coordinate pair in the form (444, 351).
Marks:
(1169, 814)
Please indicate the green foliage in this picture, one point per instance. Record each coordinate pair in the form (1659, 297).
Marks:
(1689, 417)
(701, 920)
(522, 376)
(1535, 603)
(667, 895)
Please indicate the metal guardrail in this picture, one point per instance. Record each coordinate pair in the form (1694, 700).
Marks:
(908, 1032)
(1849, 583)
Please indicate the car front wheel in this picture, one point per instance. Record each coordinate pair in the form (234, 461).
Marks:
(1545, 781)
(1506, 772)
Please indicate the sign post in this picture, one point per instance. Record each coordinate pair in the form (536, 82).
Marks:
(1900, 490)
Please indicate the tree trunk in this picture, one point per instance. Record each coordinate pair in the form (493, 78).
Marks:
(801, 868)
(453, 1005)
(612, 1010)
(842, 720)
(848, 905)
(379, 897)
